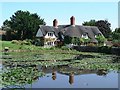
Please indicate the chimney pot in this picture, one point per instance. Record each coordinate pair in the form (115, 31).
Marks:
(72, 20)
(55, 23)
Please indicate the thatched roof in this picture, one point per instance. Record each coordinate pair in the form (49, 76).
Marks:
(70, 30)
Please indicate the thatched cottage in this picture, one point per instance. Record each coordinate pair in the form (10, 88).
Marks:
(56, 33)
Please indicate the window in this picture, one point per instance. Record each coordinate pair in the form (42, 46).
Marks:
(50, 43)
(85, 36)
(50, 34)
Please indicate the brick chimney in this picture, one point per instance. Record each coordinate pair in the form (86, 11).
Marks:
(72, 20)
(55, 23)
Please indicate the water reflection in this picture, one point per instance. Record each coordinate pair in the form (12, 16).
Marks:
(71, 78)
(71, 72)
(102, 72)
(56, 73)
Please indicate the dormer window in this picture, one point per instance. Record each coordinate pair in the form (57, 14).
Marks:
(50, 33)
(85, 36)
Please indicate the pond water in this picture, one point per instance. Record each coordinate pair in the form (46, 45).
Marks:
(66, 77)
(76, 81)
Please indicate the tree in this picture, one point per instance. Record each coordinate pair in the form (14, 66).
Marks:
(75, 40)
(10, 34)
(89, 23)
(67, 40)
(116, 34)
(24, 24)
(117, 30)
(116, 37)
(101, 39)
(104, 27)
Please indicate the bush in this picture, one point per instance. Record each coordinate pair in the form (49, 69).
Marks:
(38, 42)
(116, 43)
(91, 44)
(52, 48)
(104, 49)
(15, 42)
(24, 42)
(65, 48)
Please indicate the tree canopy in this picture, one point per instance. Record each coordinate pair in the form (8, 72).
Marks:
(89, 23)
(116, 34)
(23, 25)
(104, 27)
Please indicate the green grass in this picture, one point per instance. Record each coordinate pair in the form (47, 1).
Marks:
(13, 46)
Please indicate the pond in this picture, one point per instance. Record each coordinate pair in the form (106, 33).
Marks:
(63, 70)
(83, 80)
(67, 77)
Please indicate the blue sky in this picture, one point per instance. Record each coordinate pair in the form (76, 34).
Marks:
(62, 11)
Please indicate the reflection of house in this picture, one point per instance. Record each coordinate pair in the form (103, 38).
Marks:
(56, 33)
(69, 71)
(71, 78)
(54, 75)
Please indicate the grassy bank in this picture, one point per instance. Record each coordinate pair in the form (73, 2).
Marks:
(15, 46)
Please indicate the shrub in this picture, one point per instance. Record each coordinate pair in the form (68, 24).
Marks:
(91, 44)
(15, 42)
(65, 48)
(52, 48)
(116, 43)
(104, 49)
(25, 42)
(38, 42)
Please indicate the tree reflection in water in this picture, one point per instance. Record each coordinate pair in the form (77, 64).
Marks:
(20, 76)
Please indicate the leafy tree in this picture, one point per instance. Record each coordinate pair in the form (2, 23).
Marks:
(84, 40)
(116, 37)
(75, 40)
(81, 40)
(90, 23)
(117, 30)
(67, 40)
(100, 39)
(104, 27)
(10, 34)
(116, 34)
(24, 24)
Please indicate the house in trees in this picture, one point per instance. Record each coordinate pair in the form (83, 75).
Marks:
(2, 34)
(71, 33)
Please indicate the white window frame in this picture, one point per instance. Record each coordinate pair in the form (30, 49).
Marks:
(50, 34)
(85, 36)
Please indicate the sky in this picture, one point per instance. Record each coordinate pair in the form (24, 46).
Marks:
(62, 11)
